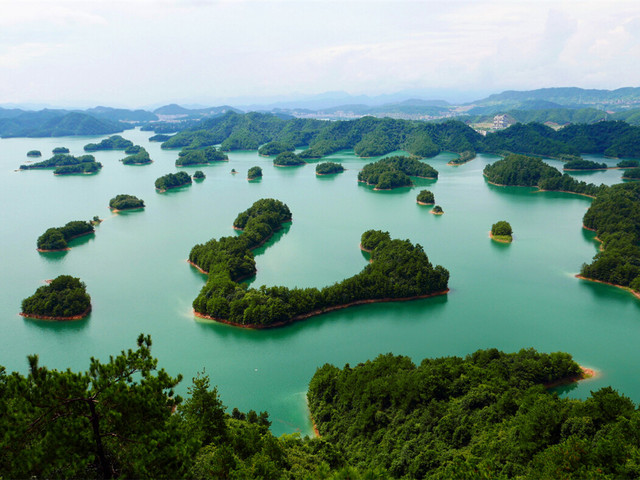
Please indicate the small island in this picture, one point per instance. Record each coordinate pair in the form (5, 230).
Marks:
(631, 174)
(55, 239)
(329, 168)
(203, 156)
(254, 173)
(395, 172)
(199, 175)
(275, 148)
(628, 164)
(114, 142)
(58, 150)
(160, 137)
(172, 180)
(463, 157)
(81, 164)
(64, 298)
(125, 202)
(501, 232)
(133, 149)
(233, 171)
(82, 168)
(425, 197)
(288, 159)
(437, 210)
(140, 157)
(581, 164)
(34, 153)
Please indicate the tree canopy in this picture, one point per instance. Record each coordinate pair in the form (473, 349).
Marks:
(64, 297)
(57, 238)
(125, 202)
(172, 180)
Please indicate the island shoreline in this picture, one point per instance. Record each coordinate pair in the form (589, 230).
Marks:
(59, 319)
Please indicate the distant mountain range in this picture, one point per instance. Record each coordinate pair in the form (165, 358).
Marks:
(557, 105)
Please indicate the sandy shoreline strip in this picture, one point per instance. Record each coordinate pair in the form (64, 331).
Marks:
(587, 373)
(62, 319)
(499, 239)
(635, 294)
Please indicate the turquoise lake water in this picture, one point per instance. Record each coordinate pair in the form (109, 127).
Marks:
(506, 296)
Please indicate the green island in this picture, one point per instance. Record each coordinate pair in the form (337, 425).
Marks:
(398, 271)
(582, 164)
(56, 238)
(64, 298)
(275, 148)
(133, 149)
(203, 156)
(288, 159)
(60, 150)
(501, 232)
(426, 197)
(329, 168)
(199, 175)
(631, 174)
(160, 137)
(172, 180)
(254, 172)
(114, 142)
(463, 157)
(139, 157)
(628, 164)
(82, 168)
(125, 202)
(437, 210)
(34, 153)
(394, 172)
(81, 164)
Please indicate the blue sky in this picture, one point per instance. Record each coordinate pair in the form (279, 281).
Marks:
(141, 52)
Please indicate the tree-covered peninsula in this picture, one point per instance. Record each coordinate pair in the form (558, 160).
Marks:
(172, 180)
(275, 148)
(160, 137)
(501, 231)
(34, 153)
(582, 164)
(254, 172)
(628, 164)
(125, 202)
(398, 270)
(57, 238)
(202, 156)
(426, 197)
(463, 157)
(114, 142)
(329, 168)
(394, 172)
(288, 159)
(64, 298)
(631, 174)
(139, 157)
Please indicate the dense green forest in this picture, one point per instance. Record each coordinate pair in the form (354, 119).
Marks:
(275, 148)
(502, 231)
(160, 137)
(288, 159)
(114, 142)
(60, 150)
(628, 164)
(56, 123)
(615, 216)
(139, 157)
(125, 202)
(254, 172)
(34, 153)
(202, 156)
(631, 174)
(172, 180)
(426, 197)
(63, 297)
(199, 175)
(57, 238)
(328, 168)
(82, 168)
(394, 172)
(488, 415)
(59, 160)
(398, 270)
(584, 165)
(133, 149)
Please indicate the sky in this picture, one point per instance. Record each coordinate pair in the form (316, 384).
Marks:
(139, 53)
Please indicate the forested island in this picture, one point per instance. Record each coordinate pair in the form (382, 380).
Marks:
(275, 148)
(631, 174)
(138, 156)
(437, 210)
(114, 142)
(288, 159)
(254, 172)
(425, 197)
(628, 164)
(394, 172)
(202, 156)
(172, 180)
(329, 168)
(66, 164)
(125, 202)
(398, 271)
(56, 238)
(199, 175)
(582, 164)
(463, 157)
(34, 153)
(60, 150)
(160, 137)
(501, 231)
(64, 298)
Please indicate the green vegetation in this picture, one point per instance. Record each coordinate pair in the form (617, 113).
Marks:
(394, 172)
(57, 238)
(437, 210)
(275, 148)
(328, 168)
(65, 297)
(58, 150)
(628, 164)
(125, 202)
(199, 175)
(133, 149)
(426, 197)
(399, 270)
(34, 153)
(463, 157)
(584, 165)
(254, 172)
(140, 157)
(59, 160)
(56, 123)
(82, 168)
(114, 142)
(501, 231)
(615, 216)
(567, 157)
(200, 157)
(160, 137)
(172, 180)
(288, 159)
(631, 174)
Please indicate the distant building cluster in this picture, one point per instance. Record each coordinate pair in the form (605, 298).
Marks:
(502, 121)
